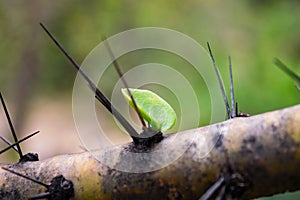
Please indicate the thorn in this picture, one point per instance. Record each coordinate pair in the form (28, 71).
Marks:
(220, 82)
(103, 100)
(59, 188)
(18, 142)
(233, 110)
(11, 126)
(208, 194)
(284, 68)
(26, 177)
(83, 148)
(98, 94)
(118, 69)
(222, 193)
(45, 195)
(7, 142)
(236, 108)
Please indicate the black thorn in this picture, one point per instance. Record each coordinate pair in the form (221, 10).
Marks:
(118, 69)
(18, 142)
(207, 195)
(26, 177)
(222, 193)
(104, 101)
(99, 95)
(83, 148)
(284, 68)
(59, 188)
(220, 82)
(11, 126)
(233, 110)
(45, 195)
(7, 142)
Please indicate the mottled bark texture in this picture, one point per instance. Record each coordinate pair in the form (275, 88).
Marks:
(265, 149)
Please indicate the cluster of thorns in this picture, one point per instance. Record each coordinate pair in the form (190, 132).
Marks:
(229, 186)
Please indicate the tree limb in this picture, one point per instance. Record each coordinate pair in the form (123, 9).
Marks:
(264, 148)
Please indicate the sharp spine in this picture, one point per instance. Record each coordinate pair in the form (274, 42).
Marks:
(26, 177)
(289, 72)
(118, 69)
(11, 126)
(8, 142)
(99, 95)
(234, 112)
(220, 82)
(18, 142)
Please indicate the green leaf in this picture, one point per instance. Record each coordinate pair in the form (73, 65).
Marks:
(155, 110)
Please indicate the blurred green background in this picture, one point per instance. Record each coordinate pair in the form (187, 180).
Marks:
(37, 81)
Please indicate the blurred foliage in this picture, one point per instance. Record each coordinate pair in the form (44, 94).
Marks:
(253, 32)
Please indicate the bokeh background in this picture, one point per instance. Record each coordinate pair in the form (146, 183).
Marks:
(36, 80)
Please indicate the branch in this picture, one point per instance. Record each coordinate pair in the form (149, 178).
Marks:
(264, 149)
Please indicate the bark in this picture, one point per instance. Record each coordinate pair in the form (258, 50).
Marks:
(264, 148)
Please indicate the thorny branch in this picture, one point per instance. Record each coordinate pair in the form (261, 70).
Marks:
(264, 149)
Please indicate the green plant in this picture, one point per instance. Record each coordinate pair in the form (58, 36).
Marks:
(154, 109)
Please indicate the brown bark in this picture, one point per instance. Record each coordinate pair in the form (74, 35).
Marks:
(265, 149)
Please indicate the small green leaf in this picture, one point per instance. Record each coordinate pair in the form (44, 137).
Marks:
(155, 110)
